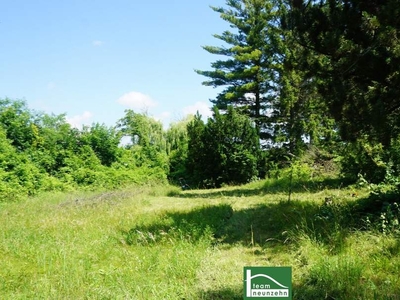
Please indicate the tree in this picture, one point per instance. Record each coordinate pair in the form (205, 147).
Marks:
(263, 78)
(18, 175)
(246, 73)
(196, 156)
(225, 150)
(177, 148)
(104, 142)
(54, 142)
(16, 120)
(148, 140)
(358, 52)
(299, 115)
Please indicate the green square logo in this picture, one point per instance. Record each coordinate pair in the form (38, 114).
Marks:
(267, 283)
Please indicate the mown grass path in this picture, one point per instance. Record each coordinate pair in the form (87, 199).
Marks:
(160, 243)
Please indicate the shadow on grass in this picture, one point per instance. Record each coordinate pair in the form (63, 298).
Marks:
(194, 225)
(224, 294)
(282, 223)
(273, 224)
(277, 186)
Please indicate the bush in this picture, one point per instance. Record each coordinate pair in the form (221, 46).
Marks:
(223, 151)
(366, 159)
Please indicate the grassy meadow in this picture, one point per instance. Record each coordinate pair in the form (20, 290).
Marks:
(158, 242)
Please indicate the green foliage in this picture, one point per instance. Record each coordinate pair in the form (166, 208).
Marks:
(177, 149)
(104, 142)
(374, 162)
(16, 120)
(41, 152)
(55, 141)
(380, 211)
(298, 115)
(18, 175)
(143, 130)
(196, 149)
(148, 141)
(225, 150)
(360, 158)
(389, 218)
(262, 76)
(233, 148)
(246, 73)
(392, 158)
(355, 54)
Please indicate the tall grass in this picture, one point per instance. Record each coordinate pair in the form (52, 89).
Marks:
(161, 243)
(73, 247)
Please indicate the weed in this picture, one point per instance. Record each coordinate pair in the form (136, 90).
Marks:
(389, 218)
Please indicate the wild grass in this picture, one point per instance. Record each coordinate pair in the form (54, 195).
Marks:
(158, 242)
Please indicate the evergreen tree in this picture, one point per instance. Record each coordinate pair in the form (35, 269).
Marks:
(245, 73)
(357, 46)
(225, 150)
(299, 115)
(196, 156)
(262, 75)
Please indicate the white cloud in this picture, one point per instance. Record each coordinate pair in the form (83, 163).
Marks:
(79, 120)
(136, 100)
(97, 43)
(201, 107)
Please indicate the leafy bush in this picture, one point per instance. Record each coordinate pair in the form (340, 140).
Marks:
(223, 151)
(41, 152)
(362, 157)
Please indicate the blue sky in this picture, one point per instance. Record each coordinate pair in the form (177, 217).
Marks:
(92, 59)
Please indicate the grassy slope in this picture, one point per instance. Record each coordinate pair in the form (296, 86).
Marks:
(159, 243)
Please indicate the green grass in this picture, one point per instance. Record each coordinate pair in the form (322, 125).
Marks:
(161, 243)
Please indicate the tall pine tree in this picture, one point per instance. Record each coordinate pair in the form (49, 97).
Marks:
(299, 116)
(261, 74)
(245, 73)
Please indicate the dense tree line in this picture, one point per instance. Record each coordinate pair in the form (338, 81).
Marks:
(42, 152)
(315, 73)
(297, 77)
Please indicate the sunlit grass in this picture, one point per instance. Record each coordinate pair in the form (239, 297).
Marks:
(157, 242)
